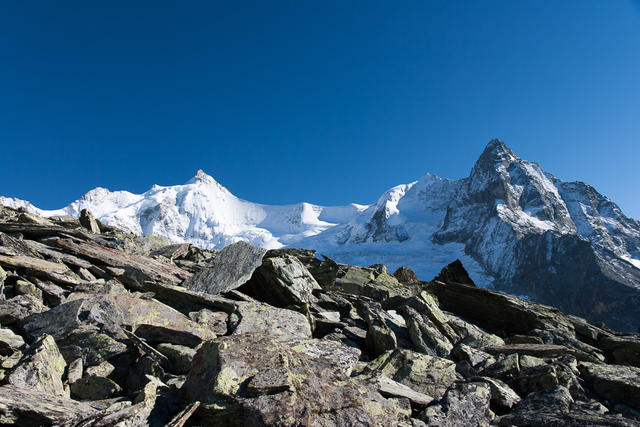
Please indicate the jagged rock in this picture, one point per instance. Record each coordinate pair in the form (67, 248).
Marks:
(427, 374)
(613, 382)
(475, 358)
(405, 275)
(91, 346)
(94, 388)
(22, 287)
(390, 388)
(368, 282)
(503, 397)
(74, 370)
(9, 342)
(537, 350)
(380, 338)
(464, 404)
(283, 281)
(109, 312)
(29, 407)
(88, 221)
(216, 321)
(138, 268)
(622, 350)
(279, 323)
(172, 251)
(180, 356)
(282, 385)
(40, 369)
(471, 334)
(342, 357)
(104, 369)
(523, 339)
(230, 269)
(504, 369)
(495, 311)
(425, 335)
(455, 273)
(57, 272)
(536, 379)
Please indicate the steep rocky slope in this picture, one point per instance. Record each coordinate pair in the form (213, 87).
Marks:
(515, 227)
(100, 327)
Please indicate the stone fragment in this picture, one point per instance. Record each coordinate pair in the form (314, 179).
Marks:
(216, 321)
(283, 281)
(423, 373)
(180, 356)
(279, 323)
(40, 369)
(30, 407)
(88, 221)
(405, 275)
(10, 342)
(230, 269)
(103, 369)
(455, 273)
(465, 404)
(281, 384)
(617, 383)
(74, 370)
(425, 335)
(502, 396)
(94, 388)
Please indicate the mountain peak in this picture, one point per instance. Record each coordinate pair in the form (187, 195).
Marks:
(495, 153)
(202, 176)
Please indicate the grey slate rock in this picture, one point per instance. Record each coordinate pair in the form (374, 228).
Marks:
(230, 269)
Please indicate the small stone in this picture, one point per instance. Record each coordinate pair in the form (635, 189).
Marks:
(88, 221)
(94, 388)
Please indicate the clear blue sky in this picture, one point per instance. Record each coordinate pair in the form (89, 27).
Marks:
(326, 102)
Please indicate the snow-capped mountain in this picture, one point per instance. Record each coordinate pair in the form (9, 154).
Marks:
(515, 228)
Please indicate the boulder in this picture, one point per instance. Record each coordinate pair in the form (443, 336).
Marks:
(252, 379)
(279, 323)
(503, 398)
(454, 273)
(88, 221)
(30, 407)
(425, 335)
(230, 269)
(180, 356)
(423, 373)
(94, 388)
(40, 369)
(616, 383)
(464, 404)
(282, 281)
(10, 342)
(405, 275)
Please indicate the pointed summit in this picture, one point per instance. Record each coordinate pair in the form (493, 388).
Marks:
(202, 176)
(495, 153)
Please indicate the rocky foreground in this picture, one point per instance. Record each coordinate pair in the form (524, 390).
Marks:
(102, 328)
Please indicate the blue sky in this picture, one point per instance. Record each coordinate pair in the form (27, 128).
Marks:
(327, 102)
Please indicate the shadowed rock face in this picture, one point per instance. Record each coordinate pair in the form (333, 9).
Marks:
(114, 337)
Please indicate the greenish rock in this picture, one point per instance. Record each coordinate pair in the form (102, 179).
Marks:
(94, 388)
(425, 335)
(14, 310)
(471, 334)
(74, 370)
(22, 287)
(536, 379)
(505, 369)
(104, 369)
(617, 383)
(430, 375)
(283, 281)
(10, 342)
(465, 404)
(502, 396)
(380, 338)
(41, 368)
(180, 356)
(525, 361)
(477, 359)
(281, 383)
(280, 323)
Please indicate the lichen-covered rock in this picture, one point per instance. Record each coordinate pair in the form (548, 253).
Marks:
(30, 407)
(502, 396)
(280, 323)
(18, 308)
(94, 388)
(40, 369)
(425, 335)
(464, 404)
(180, 356)
(617, 383)
(380, 338)
(427, 374)
(230, 269)
(9, 342)
(283, 281)
(253, 379)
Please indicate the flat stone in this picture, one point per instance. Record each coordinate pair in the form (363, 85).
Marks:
(617, 383)
(280, 323)
(40, 369)
(230, 269)
(94, 388)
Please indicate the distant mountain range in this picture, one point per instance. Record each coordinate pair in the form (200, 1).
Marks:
(515, 227)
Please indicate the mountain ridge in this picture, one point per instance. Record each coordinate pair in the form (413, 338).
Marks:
(515, 227)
